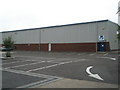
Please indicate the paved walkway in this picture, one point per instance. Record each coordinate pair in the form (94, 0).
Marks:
(73, 83)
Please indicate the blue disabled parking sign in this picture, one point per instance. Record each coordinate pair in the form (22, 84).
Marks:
(101, 38)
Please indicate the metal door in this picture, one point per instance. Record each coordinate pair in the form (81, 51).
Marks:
(102, 46)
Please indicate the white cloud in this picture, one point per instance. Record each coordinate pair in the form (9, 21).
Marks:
(20, 14)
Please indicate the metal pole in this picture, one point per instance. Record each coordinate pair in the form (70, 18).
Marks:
(97, 36)
(39, 38)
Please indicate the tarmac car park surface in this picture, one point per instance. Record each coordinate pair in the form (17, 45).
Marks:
(28, 69)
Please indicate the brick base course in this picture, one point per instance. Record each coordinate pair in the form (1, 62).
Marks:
(66, 47)
(75, 47)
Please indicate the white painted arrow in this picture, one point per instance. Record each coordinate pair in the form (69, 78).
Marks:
(93, 75)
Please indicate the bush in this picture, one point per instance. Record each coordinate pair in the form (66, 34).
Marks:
(8, 43)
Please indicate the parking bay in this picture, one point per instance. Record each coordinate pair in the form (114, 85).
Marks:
(73, 70)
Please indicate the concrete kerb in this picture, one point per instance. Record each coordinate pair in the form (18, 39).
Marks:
(111, 52)
(73, 83)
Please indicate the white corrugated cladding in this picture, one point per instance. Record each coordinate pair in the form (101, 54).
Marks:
(80, 33)
(70, 34)
(24, 37)
(7, 34)
(103, 30)
(29, 36)
(113, 35)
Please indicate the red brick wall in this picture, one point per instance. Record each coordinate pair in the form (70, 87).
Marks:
(75, 47)
(31, 47)
(44, 47)
(107, 46)
(28, 47)
(69, 47)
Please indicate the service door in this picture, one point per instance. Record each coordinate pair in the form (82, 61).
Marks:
(101, 46)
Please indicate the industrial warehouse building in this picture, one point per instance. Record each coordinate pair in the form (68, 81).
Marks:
(79, 37)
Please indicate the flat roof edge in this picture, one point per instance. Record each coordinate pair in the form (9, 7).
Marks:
(58, 26)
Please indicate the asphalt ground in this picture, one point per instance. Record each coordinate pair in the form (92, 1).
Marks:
(9, 79)
(28, 69)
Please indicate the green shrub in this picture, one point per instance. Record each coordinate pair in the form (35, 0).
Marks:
(8, 43)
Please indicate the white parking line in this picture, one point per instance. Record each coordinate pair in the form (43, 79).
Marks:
(37, 57)
(108, 58)
(81, 54)
(80, 60)
(62, 63)
(105, 54)
(15, 62)
(92, 54)
(49, 66)
(47, 78)
(39, 83)
(28, 73)
(24, 65)
(46, 82)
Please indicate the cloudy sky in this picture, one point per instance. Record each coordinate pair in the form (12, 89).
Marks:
(23, 14)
